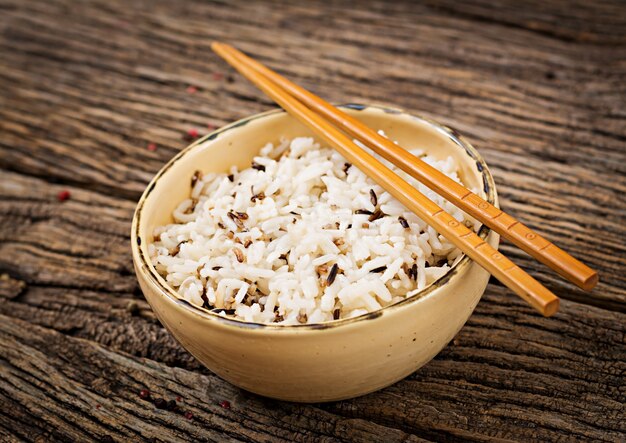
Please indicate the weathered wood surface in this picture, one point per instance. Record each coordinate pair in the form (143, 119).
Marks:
(86, 86)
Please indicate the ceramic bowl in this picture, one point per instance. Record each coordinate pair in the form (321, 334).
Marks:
(318, 362)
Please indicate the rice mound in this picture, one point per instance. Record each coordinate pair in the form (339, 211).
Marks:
(300, 237)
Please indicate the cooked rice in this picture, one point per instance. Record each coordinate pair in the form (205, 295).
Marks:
(300, 237)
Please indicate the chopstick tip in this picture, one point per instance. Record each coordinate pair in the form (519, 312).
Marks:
(591, 281)
(551, 308)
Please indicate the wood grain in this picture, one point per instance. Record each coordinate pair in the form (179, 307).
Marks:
(538, 88)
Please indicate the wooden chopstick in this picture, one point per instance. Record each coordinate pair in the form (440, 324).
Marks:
(505, 225)
(476, 248)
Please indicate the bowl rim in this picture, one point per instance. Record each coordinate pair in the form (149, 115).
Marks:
(144, 264)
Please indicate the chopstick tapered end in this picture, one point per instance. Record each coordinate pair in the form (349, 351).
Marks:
(590, 282)
(551, 308)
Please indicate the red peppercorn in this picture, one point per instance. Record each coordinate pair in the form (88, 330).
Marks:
(225, 404)
(191, 134)
(188, 415)
(63, 195)
(218, 76)
(179, 398)
(144, 393)
(192, 89)
(97, 406)
(152, 147)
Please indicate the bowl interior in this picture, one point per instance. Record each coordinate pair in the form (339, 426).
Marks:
(238, 143)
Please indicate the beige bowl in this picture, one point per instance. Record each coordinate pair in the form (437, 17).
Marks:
(319, 362)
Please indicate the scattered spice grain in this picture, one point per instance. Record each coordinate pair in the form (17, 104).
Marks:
(191, 134)
(225, 404)
(63, 195)
(160, 403)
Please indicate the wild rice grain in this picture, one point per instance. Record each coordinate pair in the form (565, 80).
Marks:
(257, 166)
(174, 252)
(259, 196)
(373, 198)
(235, 218)
(238, 254)
(332, 274)
(302, 317)
(197, 175)
(403, 222)
(376, 215)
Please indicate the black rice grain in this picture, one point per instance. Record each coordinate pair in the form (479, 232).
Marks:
(197, 175)
(332, 274)
(376, 215)
(236, 220)
(257, 166)
(373, 198)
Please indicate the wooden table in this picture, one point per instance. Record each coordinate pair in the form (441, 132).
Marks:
(86, 87)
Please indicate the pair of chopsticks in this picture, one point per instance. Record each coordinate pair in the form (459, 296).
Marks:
(321, 117)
